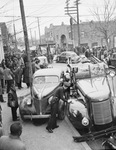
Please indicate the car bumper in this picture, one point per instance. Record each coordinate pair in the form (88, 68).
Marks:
(36, 116)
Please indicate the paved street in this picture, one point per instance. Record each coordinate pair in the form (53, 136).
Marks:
(37, 138)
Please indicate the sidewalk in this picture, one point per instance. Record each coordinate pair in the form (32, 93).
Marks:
(20, 92)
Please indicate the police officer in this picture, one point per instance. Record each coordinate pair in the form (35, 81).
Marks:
(59, 94)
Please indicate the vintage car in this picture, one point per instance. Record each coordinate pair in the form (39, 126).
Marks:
(65, 56)
(36, 105)
(43, 61)
(93, 106)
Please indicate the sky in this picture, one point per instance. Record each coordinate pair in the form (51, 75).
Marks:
(48, 11)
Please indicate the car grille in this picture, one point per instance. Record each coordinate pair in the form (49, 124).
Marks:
(102, 112)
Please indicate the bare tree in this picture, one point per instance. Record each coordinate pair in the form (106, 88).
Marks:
(105, 21)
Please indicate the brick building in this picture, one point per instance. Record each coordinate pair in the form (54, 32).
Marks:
(66, 37)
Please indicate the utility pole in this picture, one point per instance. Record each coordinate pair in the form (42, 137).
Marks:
(78, 28)
(35, 38)
(39, 29)
(26, 43)
(15, 38)
(72, 11)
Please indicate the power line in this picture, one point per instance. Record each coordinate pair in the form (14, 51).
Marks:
(51, 16)
(5, 4)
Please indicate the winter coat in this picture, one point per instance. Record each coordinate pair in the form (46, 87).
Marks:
(1, 73)
(8, 74)
(18, 74)
(1, 90)
(12, 98)
(26, 74)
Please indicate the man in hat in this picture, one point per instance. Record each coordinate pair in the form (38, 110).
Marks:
(37, 64)
(59, 94)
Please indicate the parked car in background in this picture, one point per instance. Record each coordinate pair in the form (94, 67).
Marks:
(43, 61)
(67, 55)
(45, 82)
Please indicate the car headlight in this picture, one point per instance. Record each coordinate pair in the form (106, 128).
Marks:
(28, 101)
(85, 121)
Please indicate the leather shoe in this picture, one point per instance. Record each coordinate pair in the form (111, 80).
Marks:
(55, 127)
(49, 130)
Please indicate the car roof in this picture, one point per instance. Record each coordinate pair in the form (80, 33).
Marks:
(48, 71)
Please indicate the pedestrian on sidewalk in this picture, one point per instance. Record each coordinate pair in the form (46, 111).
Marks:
(18, 76)
(13, 140)
(26, 75)
(59, 94)
(13, 102)
(9, 78)
(1, 84)
(1, 129)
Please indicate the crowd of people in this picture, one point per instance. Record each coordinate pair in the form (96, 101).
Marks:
(101, 52)
(13, 71)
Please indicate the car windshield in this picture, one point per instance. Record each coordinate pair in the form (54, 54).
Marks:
(45, 79)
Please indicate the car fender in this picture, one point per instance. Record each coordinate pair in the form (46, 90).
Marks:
(78, 106)
(27, 108)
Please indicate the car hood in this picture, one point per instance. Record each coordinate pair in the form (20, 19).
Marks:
(96, 89)
(44, 89)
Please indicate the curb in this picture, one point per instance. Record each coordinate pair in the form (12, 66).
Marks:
(76, 133)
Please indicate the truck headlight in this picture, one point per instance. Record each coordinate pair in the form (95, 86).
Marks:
(28, 101)
(112, 73)
(85, 121)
